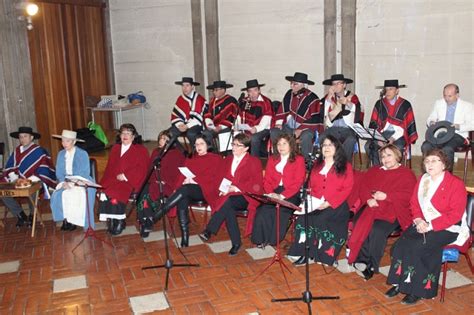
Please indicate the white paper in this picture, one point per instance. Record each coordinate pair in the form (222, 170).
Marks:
(244, 127)
(186, 172)
(34, 178)
(76, 179)
(225, 141)
(225, 185)
(313, 204)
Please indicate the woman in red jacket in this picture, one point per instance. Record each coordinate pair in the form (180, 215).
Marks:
(331, 182)
(202, 186)
(438, 207)
(240, 173)
(385, 194)
(170, 162)
(125, 171)
(284, 176)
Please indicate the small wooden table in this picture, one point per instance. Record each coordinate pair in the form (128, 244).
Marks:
(9, 190)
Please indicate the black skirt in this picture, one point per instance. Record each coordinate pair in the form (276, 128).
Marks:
(416, 261)
(111, 209)
(327, 233)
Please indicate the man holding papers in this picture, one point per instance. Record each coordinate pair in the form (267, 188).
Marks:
(197, 182)
(255, 115)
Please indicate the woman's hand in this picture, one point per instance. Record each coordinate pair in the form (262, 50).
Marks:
(232, 188)
(372, 203)
(378, 195)
(421, 225)
(121, 177)
(324, 205)
(67, 185)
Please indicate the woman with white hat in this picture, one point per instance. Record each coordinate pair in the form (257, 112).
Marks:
(68, 202)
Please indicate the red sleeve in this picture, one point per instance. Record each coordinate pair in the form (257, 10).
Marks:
(270, 179)
(343, 188)
(403, 187)
(109, 173)
(252, 178)
(414, 204)
(294, 180)
(136, 171)
(454, 207)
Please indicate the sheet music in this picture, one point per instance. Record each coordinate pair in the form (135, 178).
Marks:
(313, 204)
(243, 127)
(367, 133)
(225, 141)
(225, 185)
(82, 181)
(186, 172)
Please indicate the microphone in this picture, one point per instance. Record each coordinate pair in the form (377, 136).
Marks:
(166, 148)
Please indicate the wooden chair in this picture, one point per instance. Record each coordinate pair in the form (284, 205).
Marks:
(2, 156)
(467, 147)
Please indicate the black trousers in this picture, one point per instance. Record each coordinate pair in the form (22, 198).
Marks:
(448, 147)
(227, 213)
(190, 193)
(191, 133)
(373, 248)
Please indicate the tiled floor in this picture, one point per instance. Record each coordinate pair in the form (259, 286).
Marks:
(110, 280)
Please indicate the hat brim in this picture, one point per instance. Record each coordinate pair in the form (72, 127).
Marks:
(61, 137)
(181, 83)
(16, 134)
(329, 81)
(290, 78)
(211, 87)
(433, 130)
(250, 87)
(401, 86)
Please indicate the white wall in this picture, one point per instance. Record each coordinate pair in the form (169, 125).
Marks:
(425, 44)
(152, 47)
(270, 39)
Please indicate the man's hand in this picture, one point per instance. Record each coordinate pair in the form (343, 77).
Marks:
(298, 133)
(279, 126)
(456, 126)
(391, 140)
(182, 128)
(253, 130)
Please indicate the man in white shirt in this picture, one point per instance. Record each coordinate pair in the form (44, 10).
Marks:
(458, 112)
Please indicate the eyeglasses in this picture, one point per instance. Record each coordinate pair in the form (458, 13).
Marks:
(126, 133)
(324, 145)
(428, 161)
(237, 145)
(337, 83)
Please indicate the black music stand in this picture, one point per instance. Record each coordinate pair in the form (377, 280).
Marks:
(89, 231)
(307, 296)
(277, 257)
(169, 262)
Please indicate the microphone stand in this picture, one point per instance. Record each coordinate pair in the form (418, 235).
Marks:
(169, 264)
(307, 296)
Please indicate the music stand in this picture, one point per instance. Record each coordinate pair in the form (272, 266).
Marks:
(277, 257)
(82, 182)
(169, 262)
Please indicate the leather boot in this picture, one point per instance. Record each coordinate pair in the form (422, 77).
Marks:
(119, 227)
(110, 225)
(183, 218)
(22, 219)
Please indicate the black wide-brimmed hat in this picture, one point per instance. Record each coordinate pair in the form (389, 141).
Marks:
(391, 83)
(252, 84)
(337, 77)
(440, 133)
(186, 80)
(219, 85)
(29, 130)
(299, 77)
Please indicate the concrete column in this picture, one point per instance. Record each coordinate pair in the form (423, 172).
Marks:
(330, 12)
(198, 45)
(212, 40)
(348, 15)
(16, 87)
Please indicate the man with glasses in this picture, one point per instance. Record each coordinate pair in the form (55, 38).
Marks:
(456, 111)
(186, 116)
(300, 113)
(220, 115)
(341, 110)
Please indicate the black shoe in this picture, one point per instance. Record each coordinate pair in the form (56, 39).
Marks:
(22, 219)
(410, 299)
(143, 232)
(148, 224)
(110, 225)
(119, 227)
(367, 274)
(394, 290)
(29, 222)
(205, 235)
(301, 261)
(234, 250)
(71, 227)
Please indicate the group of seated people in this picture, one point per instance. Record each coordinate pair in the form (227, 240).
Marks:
(386, 197)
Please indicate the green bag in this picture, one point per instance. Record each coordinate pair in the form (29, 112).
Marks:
(98, 132)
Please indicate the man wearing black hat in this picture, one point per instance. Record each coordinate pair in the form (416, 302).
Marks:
(187, 114)
(255, 115)
(392, 116)
(300, 113)
(459, 114)
(341, 110)
(29, 160)
(222, 111)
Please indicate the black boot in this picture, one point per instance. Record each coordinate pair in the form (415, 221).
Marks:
(170, 203)
(64, 227)
(119, 227)
(110, 225)
(29, 222)
(183, 218)
(22, 219)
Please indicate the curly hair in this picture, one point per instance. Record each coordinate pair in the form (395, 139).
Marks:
(129, 127)
(442, 156)
(340, 159)
(293, 146)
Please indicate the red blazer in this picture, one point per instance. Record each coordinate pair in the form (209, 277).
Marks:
(293, 176)
(449, 199)
(173, 159)
(248, 177)
(335, 188)
(134, 164)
